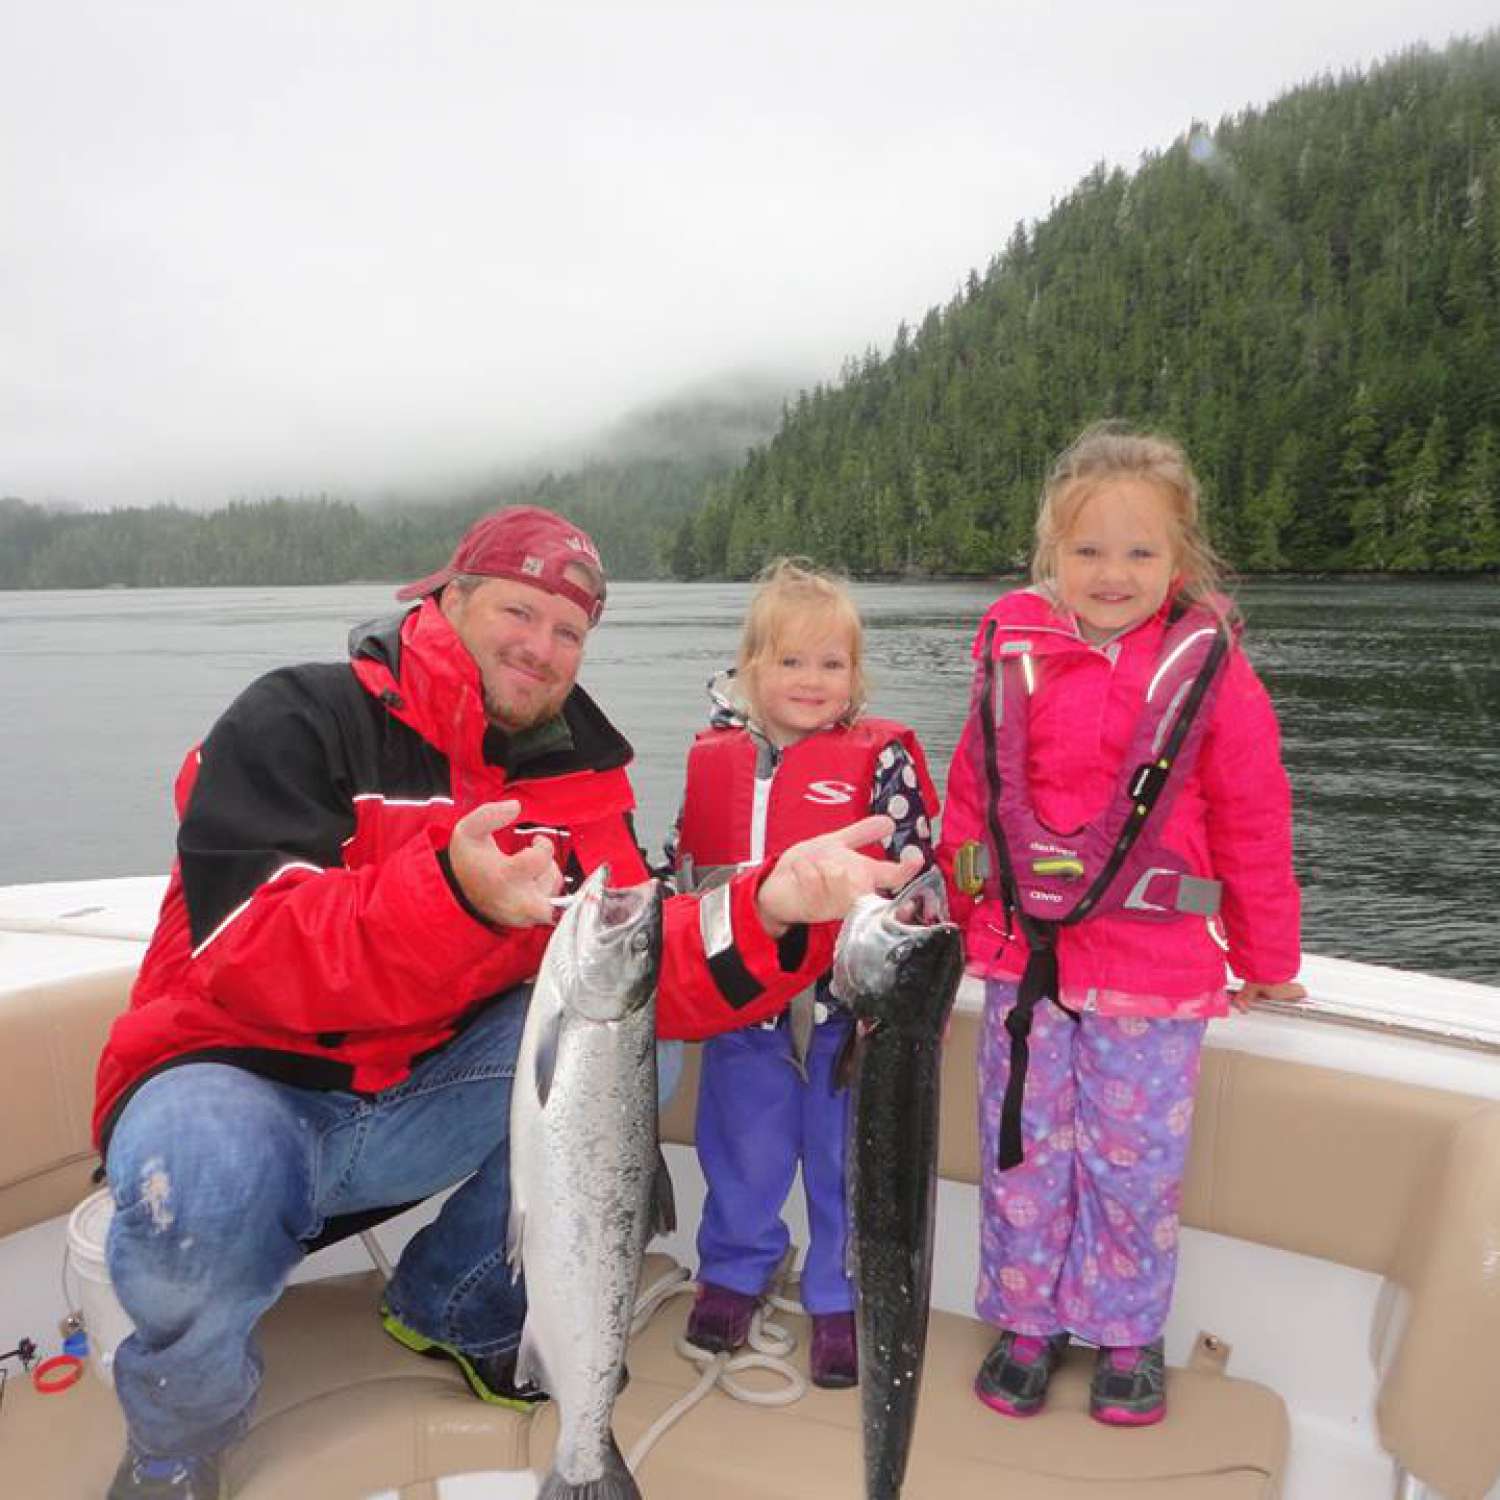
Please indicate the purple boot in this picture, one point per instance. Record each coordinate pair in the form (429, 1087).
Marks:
(835, 1358)
(720, 1319)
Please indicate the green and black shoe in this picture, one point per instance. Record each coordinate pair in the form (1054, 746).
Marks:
(492, 1377)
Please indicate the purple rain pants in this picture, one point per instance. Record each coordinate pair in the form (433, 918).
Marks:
(1082, 1235)
(756, 1120)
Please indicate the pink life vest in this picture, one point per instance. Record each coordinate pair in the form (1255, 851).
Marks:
(1047, 878)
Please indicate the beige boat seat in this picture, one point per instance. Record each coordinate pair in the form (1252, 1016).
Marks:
(1386, 1177)
(1227, 1438)
(344, 1413)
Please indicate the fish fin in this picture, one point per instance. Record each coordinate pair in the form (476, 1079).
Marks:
(844, 1063)
(545, 1061)
(531, 1368)
(663, 1197)
(801, 1018)
(615, 1483)
(515, 1233)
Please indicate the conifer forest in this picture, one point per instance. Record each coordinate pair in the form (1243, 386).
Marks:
(1306, 295)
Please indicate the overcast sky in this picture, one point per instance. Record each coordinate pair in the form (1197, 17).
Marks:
(262, 247)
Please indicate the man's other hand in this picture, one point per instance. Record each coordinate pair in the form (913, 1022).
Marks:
(819, 879)
(510, 890)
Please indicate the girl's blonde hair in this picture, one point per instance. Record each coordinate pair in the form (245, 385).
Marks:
(796, 602)
(1111, 450)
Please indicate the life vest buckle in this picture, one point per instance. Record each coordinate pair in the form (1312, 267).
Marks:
(1150, 778)
(971, 868)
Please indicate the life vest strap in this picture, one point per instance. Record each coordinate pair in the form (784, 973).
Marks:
(1039, 982)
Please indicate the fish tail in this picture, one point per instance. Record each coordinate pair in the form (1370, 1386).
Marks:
(615, 1483)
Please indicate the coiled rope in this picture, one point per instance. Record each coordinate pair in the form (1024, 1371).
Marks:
(769, 1345)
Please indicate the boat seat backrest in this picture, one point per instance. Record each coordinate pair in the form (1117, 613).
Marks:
(1386, 1177)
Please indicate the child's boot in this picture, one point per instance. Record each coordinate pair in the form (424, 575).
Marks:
(834, 1359)
(720, 1319)
(1015, 1374)
(1129, 1388)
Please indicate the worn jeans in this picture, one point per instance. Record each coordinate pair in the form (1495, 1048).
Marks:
(220, 1175)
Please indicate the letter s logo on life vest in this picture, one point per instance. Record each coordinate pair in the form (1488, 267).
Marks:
(829, 792)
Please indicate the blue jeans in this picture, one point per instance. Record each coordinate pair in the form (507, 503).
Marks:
(219, 1176)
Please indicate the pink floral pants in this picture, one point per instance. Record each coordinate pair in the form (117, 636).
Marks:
(1082, 1235)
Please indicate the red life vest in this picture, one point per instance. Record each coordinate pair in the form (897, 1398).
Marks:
(820, 783)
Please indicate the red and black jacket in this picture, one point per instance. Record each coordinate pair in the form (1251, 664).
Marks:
(310, 931)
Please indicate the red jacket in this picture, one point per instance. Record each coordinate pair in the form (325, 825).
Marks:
(821, 783)
(310, 931)
(1232, 817)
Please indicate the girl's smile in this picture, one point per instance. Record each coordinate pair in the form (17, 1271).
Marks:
(1115, 565)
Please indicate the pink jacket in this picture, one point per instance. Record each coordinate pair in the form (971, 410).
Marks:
(1231, 819)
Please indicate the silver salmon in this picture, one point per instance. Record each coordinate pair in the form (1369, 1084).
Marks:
(584, 1160)
(897, 967)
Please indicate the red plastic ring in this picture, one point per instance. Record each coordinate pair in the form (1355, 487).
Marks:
(57, 1374)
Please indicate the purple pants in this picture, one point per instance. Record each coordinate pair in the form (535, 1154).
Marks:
(1082, 1235)
(756, 1120)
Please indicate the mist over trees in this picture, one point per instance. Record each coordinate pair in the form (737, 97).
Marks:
(653, 470)
(1308, 296)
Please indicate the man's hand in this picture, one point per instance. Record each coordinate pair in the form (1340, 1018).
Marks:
(510, 890)
(819, 879)
(1248, 994)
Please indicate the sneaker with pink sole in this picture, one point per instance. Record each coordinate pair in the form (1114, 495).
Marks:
(1129, 1388)
(1015, 1374)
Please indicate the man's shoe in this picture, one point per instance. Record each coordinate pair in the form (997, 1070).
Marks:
(1016, 1373)
(143, 1478)
(492, 1377)
(835, 1358)
(1129, 1388)
(720, 1319)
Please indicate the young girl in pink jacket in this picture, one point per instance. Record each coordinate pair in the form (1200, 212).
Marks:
(1118, 822)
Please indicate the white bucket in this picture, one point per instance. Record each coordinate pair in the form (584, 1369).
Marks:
(104, 1320)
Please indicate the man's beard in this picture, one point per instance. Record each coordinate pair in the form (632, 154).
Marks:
(508, 717)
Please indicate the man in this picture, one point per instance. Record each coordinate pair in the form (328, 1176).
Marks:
(327, 1018)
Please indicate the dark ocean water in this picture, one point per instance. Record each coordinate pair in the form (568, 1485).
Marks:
(1389, 696)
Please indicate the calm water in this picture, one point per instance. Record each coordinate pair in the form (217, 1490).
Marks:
(1389, 697)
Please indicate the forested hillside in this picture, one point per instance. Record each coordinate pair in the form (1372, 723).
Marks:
(659, 463)
(1308, 296)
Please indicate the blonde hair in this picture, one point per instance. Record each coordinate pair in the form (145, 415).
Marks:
(1112, 450)
(796, 602)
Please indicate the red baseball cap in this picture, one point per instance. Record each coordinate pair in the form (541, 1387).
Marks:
(530, 545)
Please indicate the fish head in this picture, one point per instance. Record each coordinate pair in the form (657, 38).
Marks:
(610, 946)
(898, 959)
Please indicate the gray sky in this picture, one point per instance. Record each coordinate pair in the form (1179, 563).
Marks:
(270, 246)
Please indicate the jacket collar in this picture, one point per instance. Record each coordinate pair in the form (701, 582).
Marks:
(419, 669)
(1034, 612)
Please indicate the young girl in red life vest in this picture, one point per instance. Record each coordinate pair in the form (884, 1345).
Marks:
(1117, 788)
(788, 754)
